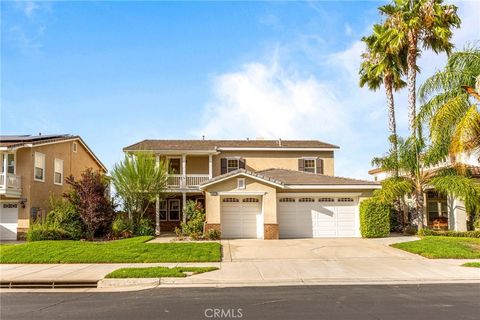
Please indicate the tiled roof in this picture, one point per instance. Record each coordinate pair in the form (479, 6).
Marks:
(19, 140)
(286, 177)
(218, 144)
(289, 177)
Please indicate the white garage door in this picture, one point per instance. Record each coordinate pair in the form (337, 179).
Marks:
(8, 221)
(241, 217)
(306, 217)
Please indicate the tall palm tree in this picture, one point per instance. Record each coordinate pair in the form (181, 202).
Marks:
(416, 178)
(381, 66)
(451, 105)
(417, 24)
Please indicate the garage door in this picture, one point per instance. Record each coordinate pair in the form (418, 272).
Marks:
(306, 217)
(8, 221)
(240, 217)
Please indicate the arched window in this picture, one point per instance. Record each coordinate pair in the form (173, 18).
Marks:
(230, 200)
(250, 200)
(286, 200)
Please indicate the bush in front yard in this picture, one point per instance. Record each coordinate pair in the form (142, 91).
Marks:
(63, 215)
(195, 219)
(449, 233)
(42, 231)
(122, 226)
(374, 219)
(144, 227)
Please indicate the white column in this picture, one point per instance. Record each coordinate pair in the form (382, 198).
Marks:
(184, 170)
(4, 172)
(457, 214)
(184, 205)
(157, 216)
(210, 166)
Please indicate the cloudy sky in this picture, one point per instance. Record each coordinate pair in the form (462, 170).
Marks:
(119, 72)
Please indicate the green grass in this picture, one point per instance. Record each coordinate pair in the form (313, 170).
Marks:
(436, 247)
(157, 272)
(472, 264)
(133, 250)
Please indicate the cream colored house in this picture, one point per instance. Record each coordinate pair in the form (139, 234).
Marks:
(32, 169)
(266, 189)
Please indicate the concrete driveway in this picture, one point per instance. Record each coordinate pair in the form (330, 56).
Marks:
(325, 249)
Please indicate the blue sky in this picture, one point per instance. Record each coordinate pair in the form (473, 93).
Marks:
(119, 72)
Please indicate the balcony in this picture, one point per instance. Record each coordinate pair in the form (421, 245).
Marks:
(10, 184)
(188, 181)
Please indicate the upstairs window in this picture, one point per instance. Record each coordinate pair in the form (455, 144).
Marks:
(11, 163)
(58, 172)
(309, 165)
(232, 165)
(174, 166)
(74, 147)
(39, 170)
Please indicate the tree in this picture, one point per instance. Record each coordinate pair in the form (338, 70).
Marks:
(138, 180)
(417, 24)
(89, 196)
(416, 177)
(381, 66)
(450, 106)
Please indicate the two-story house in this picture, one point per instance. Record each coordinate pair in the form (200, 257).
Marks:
(266, 189)
(32, 169)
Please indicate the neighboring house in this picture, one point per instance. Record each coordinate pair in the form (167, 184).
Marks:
(266, 189)
(33, 168)
(441, 211)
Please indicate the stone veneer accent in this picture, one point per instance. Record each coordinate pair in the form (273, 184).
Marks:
(270, 231)
(214, 226)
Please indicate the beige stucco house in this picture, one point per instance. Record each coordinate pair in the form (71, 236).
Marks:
(32, 169)
(265, 189)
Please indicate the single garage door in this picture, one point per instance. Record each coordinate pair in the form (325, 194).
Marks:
(307, 217)
(240, 217)
(8, 221)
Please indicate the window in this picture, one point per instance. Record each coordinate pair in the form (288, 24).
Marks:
(345, 200)
(174, 166)
(162, 209)
(58, 173)
(250, 200)
(39, 171)
(241, 183)
(286, 200)
(74, 147)
(306, 200)
(233, 164)
(326, 200)
(230, 200)
(11, 163)
(173, 209)
(309, 165)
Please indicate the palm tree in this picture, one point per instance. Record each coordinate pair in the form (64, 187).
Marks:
(416, 24)
(451, 105)
(415, 178)
(380, 66)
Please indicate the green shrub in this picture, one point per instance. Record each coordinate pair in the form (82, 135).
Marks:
(144, 227)
(195, 219)
(42, 231)
(212, 234)
(63, 215)
(374, 219)
(449, 233)
(122, 227)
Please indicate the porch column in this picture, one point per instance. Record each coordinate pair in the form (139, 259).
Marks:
(210, 166)
(184, 170)
(184, 206)
(457, 214)
(157, 216)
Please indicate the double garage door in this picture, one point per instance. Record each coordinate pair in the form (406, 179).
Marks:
(307, 217)
(8, 221)
(241, 217)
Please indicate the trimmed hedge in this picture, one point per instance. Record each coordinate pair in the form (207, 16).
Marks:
(41, 232)
(449, 233)
(374, 219)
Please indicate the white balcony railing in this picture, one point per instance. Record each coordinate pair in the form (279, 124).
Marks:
(10, 181)
(187, 181)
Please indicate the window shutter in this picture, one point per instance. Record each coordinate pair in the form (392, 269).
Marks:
(320, 166)
(301, 165)
(241, 164)
(223, 166)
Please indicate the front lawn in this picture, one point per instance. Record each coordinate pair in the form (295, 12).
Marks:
(157, 272)
(472, 264)
(133, 250)
(436, 247)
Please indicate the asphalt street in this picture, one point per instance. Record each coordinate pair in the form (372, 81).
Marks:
(452, 301)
